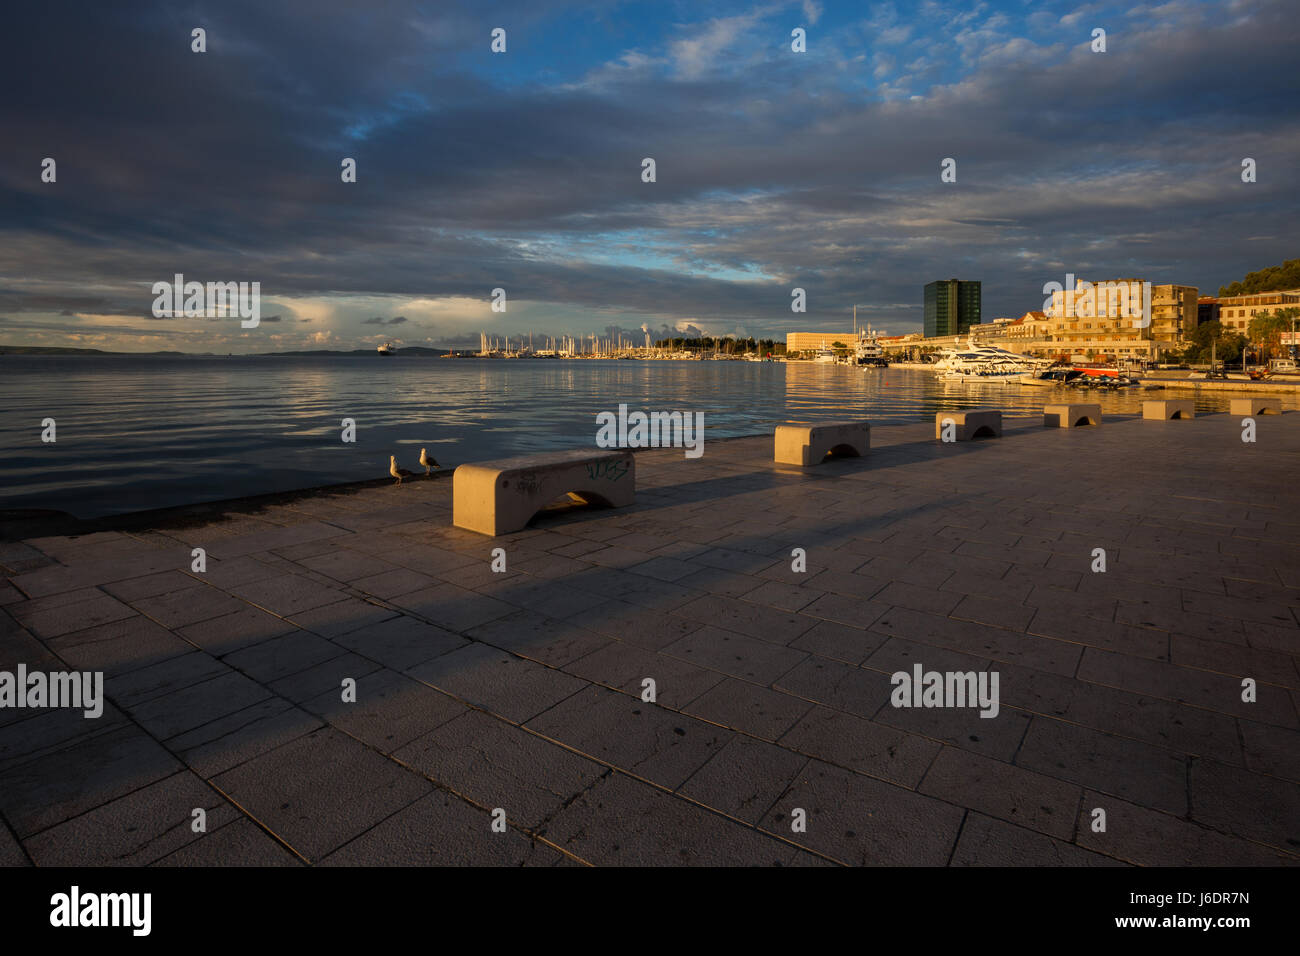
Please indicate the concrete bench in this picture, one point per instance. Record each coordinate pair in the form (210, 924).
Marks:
(498, 497)
(1071, 416)
(810, 444)
(1165, 410)
(1250, 407)
(971, 423)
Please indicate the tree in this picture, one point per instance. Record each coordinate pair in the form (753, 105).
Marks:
(1266, 329)
(1210, 338)
(1271, 279)
(1288, 319)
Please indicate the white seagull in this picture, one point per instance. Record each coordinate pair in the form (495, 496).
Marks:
(427, 461)
(398, 473)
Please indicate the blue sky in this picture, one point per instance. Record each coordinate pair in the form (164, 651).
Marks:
(522, 170)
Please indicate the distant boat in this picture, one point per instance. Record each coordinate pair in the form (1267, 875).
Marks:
(385, 349)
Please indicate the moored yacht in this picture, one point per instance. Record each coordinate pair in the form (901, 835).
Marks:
(986, 360)
(868, 352)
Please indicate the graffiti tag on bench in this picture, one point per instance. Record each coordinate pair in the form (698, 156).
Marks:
(609, 470)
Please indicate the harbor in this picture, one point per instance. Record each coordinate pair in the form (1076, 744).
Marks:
(136, 433)
(804, 434)
(521, 691)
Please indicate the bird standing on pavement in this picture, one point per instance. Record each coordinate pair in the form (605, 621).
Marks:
(427, 461)
(398, 473)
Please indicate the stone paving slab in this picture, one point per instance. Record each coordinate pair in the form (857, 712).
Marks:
(494, 763)
(320, 791)
(240, 736)
(442, 830)
(625, 822)
(637, 738)
(241, 843)
(389, 711)
(774, 688)
(134, 830)
(985, 841)
(87, 773)
(858, 820)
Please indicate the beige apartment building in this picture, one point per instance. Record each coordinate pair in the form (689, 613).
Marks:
(1236, 311)
(1106, 320)
(812, 341)
(1102, 321)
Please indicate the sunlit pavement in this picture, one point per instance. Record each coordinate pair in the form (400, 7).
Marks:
(660, 685)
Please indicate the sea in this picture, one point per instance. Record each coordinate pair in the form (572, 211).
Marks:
(141, 432)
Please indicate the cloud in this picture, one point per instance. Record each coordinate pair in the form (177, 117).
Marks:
(774, 170)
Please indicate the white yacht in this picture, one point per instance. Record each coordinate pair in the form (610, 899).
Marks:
(869, 353)
(824, 355)
(985, 361)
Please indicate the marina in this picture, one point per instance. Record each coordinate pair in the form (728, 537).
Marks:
(176, 431)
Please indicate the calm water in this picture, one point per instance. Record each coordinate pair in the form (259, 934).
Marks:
(141, 432)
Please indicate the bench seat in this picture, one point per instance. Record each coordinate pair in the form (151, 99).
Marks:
(1164, 410)
(1071, 416)
(809, 444)
(970, 423)
(1250, 407)
(498, 497)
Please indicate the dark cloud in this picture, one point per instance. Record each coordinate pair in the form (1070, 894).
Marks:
(773, 172)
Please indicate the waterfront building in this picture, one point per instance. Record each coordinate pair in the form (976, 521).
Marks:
(1030, 328)
(815, 341)
(1207, 309)
(1101, 325)
(952, 306)
(1236, 311)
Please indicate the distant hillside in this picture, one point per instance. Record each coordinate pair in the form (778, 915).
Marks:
(1285, 276)
(58, 350)
(47, 350)
(407, 350)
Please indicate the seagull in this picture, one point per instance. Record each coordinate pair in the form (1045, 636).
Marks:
(398, 473)
(427, 461)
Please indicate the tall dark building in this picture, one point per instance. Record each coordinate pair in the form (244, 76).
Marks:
(1207, 309)
(952, 306)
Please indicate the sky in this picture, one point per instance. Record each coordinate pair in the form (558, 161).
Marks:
(523, 170)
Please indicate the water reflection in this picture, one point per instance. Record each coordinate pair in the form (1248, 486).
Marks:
(151, 432)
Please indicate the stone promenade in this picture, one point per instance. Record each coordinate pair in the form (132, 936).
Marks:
(1120, 691)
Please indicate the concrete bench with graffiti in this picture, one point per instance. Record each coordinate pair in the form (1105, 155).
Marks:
(498, 497)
